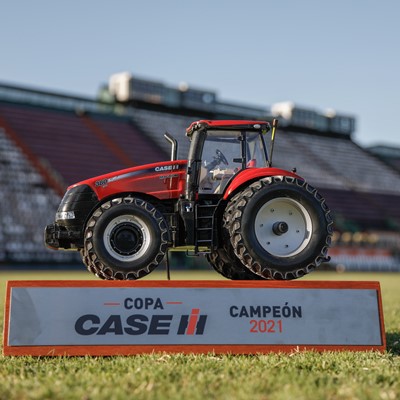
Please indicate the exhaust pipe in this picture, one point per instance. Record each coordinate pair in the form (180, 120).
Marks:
(174, 145)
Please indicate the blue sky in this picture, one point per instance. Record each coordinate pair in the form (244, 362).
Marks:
(341, 54)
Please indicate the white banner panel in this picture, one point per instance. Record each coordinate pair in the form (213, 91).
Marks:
(182, 315)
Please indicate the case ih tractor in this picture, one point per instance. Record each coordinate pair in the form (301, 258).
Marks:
(226, 201)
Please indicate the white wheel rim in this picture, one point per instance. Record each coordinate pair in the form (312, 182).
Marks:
(298, 223)
(134, 225)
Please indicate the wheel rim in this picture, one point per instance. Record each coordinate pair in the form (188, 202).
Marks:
(126, 238)
(283, 227)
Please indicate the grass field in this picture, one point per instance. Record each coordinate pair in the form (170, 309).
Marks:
(300, 375)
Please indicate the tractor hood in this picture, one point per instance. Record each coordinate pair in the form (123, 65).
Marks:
(164, 180)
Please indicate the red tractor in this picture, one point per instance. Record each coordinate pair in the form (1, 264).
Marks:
(252, 221)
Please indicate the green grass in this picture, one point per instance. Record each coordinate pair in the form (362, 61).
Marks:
(300, 375)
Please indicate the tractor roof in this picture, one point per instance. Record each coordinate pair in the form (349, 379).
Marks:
(227, 124)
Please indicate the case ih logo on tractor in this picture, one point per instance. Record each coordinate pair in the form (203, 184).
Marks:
(252, 221)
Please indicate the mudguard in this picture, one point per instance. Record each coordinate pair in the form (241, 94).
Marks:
(251, 174)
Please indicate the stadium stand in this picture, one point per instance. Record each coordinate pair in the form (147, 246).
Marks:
(26, 205)
(63, 137)
(51, 140)
(151, 121)
(389, 155)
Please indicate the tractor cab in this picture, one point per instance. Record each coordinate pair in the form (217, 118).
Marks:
(220, 150)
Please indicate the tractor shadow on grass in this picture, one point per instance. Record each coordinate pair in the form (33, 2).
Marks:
(393, 342)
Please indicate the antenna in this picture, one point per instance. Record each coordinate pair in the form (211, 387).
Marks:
(271, 151)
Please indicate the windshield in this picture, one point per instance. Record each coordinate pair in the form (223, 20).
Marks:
(222, 157)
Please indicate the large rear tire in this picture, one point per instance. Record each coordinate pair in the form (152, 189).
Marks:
(125, 238)
(230, 267)
(223, 259)
(281, 228)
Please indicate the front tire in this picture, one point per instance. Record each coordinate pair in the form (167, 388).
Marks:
(126, 238)
(281, 228)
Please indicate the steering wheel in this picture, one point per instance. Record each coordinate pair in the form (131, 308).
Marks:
(221, 157)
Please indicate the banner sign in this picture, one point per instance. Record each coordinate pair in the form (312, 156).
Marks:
(131, 317)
